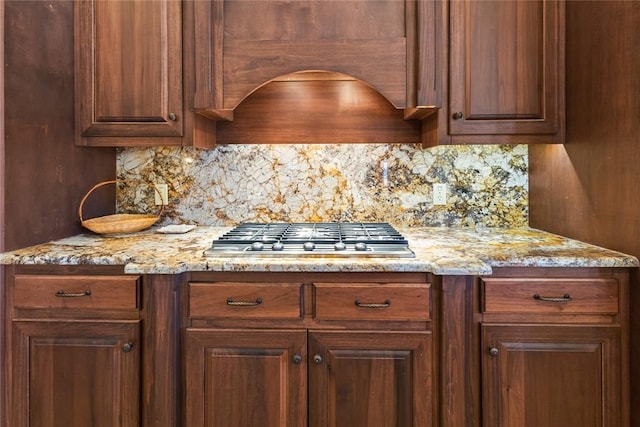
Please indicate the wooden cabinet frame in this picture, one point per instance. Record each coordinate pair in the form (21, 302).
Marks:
(448, 351)
(322, 358)
(466, 365)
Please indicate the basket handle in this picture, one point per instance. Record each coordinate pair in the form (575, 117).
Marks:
(100, 184)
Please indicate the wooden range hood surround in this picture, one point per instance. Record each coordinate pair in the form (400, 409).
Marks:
(248, 55)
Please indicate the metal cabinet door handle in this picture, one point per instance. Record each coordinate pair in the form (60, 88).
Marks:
(384, 304)
(230, 301)
(62, 294)
(564, 298)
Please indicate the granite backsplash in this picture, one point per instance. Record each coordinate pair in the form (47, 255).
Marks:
(487, 184)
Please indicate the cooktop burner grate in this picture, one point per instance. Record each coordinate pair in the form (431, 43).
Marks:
(309, 239)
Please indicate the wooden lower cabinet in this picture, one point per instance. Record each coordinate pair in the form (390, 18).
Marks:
(249, 378)
(523, 347)
(309, 350)
(245, 378)
(551, 376)
(72, 347)
(75, 374)
(554, 348)
(370, 379)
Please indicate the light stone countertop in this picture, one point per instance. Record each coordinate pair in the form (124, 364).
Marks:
(439, 250)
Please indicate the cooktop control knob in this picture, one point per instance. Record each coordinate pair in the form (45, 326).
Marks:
(277, 246)
(340, 246)
(309, 246)
(360, 246)
(257, 246)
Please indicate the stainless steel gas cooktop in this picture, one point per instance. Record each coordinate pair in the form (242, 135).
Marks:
(326, 239)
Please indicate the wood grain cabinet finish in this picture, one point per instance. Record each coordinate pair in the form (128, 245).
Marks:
(128, 72)
(472, 351)
(506, 71)
(74, 357)
(552, 376)
(245, 300)
(32, 291)
(132, 73)
(370, 379)
(372, 301)
(550, 296)
(554, 350)
(328, 365)
(75, 374)
(245, 378)
(241, 45)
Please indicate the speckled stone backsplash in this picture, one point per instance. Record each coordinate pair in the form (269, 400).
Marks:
(487, 185)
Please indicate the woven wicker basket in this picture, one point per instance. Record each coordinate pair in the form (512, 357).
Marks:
(118, 223)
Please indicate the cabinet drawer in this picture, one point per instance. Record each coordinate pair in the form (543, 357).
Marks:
(245, 300)
(78, 292)
(570, 296)
(372, 301)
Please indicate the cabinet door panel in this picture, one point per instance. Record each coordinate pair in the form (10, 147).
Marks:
(245, 378)
(128, 68)
(370, 379)
(75, 374)
(553, 376)
(506, 69)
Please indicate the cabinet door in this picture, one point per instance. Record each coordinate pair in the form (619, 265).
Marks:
(507, 71)
(75, 374)
(245, 378)
(552, 376)
(359, 379)
(128, 71)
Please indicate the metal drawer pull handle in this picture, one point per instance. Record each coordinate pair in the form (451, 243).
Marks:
(62, 294)
(385, 304)
(564, 298)
(127, 347)
(230, 301)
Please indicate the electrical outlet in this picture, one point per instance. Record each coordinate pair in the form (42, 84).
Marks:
(164, 191)
(439, 194)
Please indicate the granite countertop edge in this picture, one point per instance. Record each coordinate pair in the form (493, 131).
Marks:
(439, 250)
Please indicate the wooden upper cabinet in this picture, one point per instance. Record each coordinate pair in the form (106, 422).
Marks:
(128, 72)
(506, 71)
(243, 45)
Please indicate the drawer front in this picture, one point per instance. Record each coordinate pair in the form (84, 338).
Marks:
(245, 300)
(569, 296)
(372, 301)
(77, 292)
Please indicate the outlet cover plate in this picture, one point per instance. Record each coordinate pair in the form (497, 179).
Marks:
(164, 190)
(439, 194)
